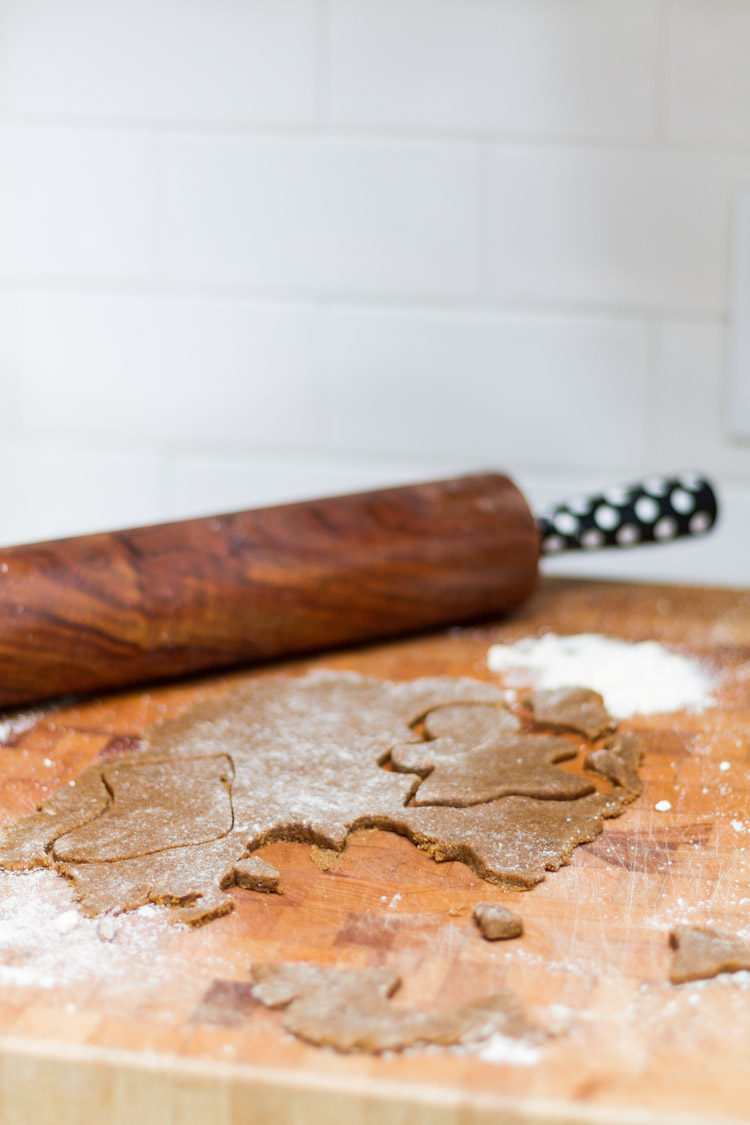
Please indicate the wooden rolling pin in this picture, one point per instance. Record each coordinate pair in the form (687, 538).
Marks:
(108, 610)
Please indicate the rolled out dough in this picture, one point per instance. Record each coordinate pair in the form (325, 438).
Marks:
(300, 759)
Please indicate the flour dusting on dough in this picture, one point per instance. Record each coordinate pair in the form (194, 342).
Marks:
(302, 760)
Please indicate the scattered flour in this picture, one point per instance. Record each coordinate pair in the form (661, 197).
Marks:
(503, 1049)
(66, 922)
(18, 721)
(635, 679)
(46, 942)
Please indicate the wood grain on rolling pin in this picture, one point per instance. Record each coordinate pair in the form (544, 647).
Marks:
(118, 608)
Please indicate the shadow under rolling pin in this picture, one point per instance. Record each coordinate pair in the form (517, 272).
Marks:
(114, 609)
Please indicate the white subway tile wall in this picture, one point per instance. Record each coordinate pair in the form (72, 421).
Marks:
(258, 250)
(640, 230)
(319, 217)
(168, 62)
(76, 207)
(412, 382)
(707, 72)
(191, 372)
(576, 69)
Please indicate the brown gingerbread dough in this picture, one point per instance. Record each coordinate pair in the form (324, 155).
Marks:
(350, 1010)
(496, 922)
(254, 874)
(299, 759)
(571, 708)
(475, 754)
(701, 953)
(618, 762)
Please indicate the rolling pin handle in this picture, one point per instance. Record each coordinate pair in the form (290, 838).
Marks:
(655, 510)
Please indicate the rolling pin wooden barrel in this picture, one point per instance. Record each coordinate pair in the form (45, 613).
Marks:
(108, 610)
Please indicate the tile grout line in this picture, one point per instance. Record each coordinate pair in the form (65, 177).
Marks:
(664, 38)
(484, 222)
(321, 66)
(322, 130)
(651, 397)
(104, 289)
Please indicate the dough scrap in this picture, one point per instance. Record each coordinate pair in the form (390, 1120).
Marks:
(496, 922)
(571, 708)
(618, 762)
(255, 874)
(701, 953)
(350, 1010)
(175, 823)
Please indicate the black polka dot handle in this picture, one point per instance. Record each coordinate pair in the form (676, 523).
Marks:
(656, 510)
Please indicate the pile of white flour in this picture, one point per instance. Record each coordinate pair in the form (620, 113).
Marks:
(635, 679)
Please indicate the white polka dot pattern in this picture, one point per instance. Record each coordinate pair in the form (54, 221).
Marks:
(647, 509)
(691, 481)
(657, 510)
(656, 486)
(627, 535)
(566, 523)
(592, 538)
(553, 544)
(581, 506)
(682, 501)
(699, 523)
(617, 495)
(665, 528)
(606, 517)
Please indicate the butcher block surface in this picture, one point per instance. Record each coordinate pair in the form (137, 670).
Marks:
(158, 1024)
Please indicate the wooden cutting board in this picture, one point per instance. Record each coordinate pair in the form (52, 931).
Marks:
(159, 1026)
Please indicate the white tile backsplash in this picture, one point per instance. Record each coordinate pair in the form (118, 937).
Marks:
(183, 373)
(688, 404)
(255, 250)
(624, 228)
(160, 61)
(76, 206)
(321, 216)
(500, 390)
(202, 484)
(54, 488)
(707, 72)
(578, 69)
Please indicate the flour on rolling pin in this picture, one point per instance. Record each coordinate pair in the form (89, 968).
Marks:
(635, 679)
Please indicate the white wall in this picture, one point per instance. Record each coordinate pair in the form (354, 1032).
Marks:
(254, 250)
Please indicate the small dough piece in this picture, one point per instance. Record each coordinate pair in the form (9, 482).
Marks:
(571, 708)
(255, 874)
(618, 763)
(496, 922)
(107, 928)
(350, 1010)
(701, 953)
